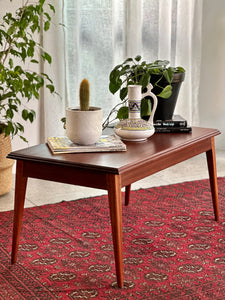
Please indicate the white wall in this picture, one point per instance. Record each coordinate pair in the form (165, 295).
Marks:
(212, 81)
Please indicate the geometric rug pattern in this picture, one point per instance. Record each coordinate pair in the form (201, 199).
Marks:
(173, 248)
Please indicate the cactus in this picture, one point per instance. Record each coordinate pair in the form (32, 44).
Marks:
(84, 95)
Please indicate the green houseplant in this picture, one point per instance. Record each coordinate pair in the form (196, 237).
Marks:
(20, 52)
(20, 56)
(136, 71)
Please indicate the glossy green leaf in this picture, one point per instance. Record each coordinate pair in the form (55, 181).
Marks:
(46, 26)
(144, 80)
(23, 138)
(51, 88)
(25, 114)
(31, 116)
(9, 113)
(47, 15)
(47, 57)
(113, 87)
(52, 7)
(11, 29)
(11, 63)
(138, 58)
(123, 113)
(123, 93)
(30, 51)
(34, 61)
(168, 74)
(180, 70)
(166, 92)
(146, 107)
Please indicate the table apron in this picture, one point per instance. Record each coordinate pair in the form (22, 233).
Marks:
(64, 174)
(164, 161)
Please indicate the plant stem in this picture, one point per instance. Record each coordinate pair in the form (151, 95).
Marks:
(106, 123)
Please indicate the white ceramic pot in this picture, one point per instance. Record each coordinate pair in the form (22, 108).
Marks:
(84, 127)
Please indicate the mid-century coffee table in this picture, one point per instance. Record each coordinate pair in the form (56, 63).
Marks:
(111, 172)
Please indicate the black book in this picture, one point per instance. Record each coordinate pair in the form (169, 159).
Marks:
(172, 129)
(176, 121)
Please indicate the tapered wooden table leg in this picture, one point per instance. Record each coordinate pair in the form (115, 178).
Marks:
(20, 191)
(115, 206)
(127, 194)
(211, 160)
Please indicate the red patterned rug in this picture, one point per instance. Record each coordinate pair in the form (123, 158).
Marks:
(173, 248)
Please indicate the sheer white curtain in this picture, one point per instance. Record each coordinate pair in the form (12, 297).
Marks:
(101, 33)
(94, 42)
(171, 29)
(52, 106)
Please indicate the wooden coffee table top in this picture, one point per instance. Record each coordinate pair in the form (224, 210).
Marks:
(137, 154)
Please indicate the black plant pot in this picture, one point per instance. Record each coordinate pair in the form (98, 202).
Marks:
(166, 107)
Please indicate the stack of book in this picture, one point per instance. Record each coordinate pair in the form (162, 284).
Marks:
(176, 124)
(107, 143)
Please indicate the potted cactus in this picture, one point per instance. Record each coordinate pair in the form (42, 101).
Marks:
(84, 123)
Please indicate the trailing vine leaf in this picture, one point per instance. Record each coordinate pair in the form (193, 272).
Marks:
(146, 107)
(180, 69)
(166, 92)
(168, 74)
(47, 57)
(52, 7)
(144, 80)
(138, 58)
(122, 113)
(51, 88)
(113, 87)
(25, 114)
(123, 93)
(46, 26)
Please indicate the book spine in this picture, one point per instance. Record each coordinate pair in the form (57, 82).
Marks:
(170, 123)
(172, 129)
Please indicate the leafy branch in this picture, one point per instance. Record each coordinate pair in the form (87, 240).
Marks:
(18, 49)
